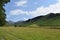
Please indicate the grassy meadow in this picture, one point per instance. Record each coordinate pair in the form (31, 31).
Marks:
(28, 33)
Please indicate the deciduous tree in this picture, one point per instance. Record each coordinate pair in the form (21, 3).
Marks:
(2, 12)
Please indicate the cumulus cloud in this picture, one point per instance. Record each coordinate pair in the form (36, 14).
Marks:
(16, 12)
(21, 3)
(53, 8)
(58, 0)
(25, 18)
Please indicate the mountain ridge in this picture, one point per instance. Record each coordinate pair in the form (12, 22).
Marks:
(51, 19)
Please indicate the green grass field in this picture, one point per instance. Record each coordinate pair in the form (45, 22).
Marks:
(25, 33)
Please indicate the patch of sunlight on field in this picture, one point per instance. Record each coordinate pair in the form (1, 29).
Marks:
(26, 33)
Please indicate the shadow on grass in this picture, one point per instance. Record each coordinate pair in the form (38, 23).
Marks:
(51, 26)
(54, 28)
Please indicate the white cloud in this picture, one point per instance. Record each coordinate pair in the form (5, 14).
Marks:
(25, 18)
(21, 3)
(53, 8)
(16, 12)
(59, 0)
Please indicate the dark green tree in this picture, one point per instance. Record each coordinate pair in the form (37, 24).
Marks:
(2, 12)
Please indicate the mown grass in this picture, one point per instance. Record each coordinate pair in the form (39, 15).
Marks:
(26, 33)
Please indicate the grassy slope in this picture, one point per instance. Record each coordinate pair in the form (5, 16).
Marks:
(42, 22)
(11, 33)
(52, 21)
(47, 20)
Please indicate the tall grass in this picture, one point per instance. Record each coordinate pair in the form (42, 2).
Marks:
(26, 33)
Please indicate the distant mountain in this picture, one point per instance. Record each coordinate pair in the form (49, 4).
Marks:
(52, 19)
(10, 23)
(19, 23)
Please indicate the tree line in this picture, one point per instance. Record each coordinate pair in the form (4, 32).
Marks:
(2, 12)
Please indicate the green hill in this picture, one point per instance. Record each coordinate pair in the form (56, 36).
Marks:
(47, 20)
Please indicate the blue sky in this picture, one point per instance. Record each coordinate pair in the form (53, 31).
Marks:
(18, 10)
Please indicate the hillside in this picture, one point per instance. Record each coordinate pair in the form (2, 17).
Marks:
(47, 20)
